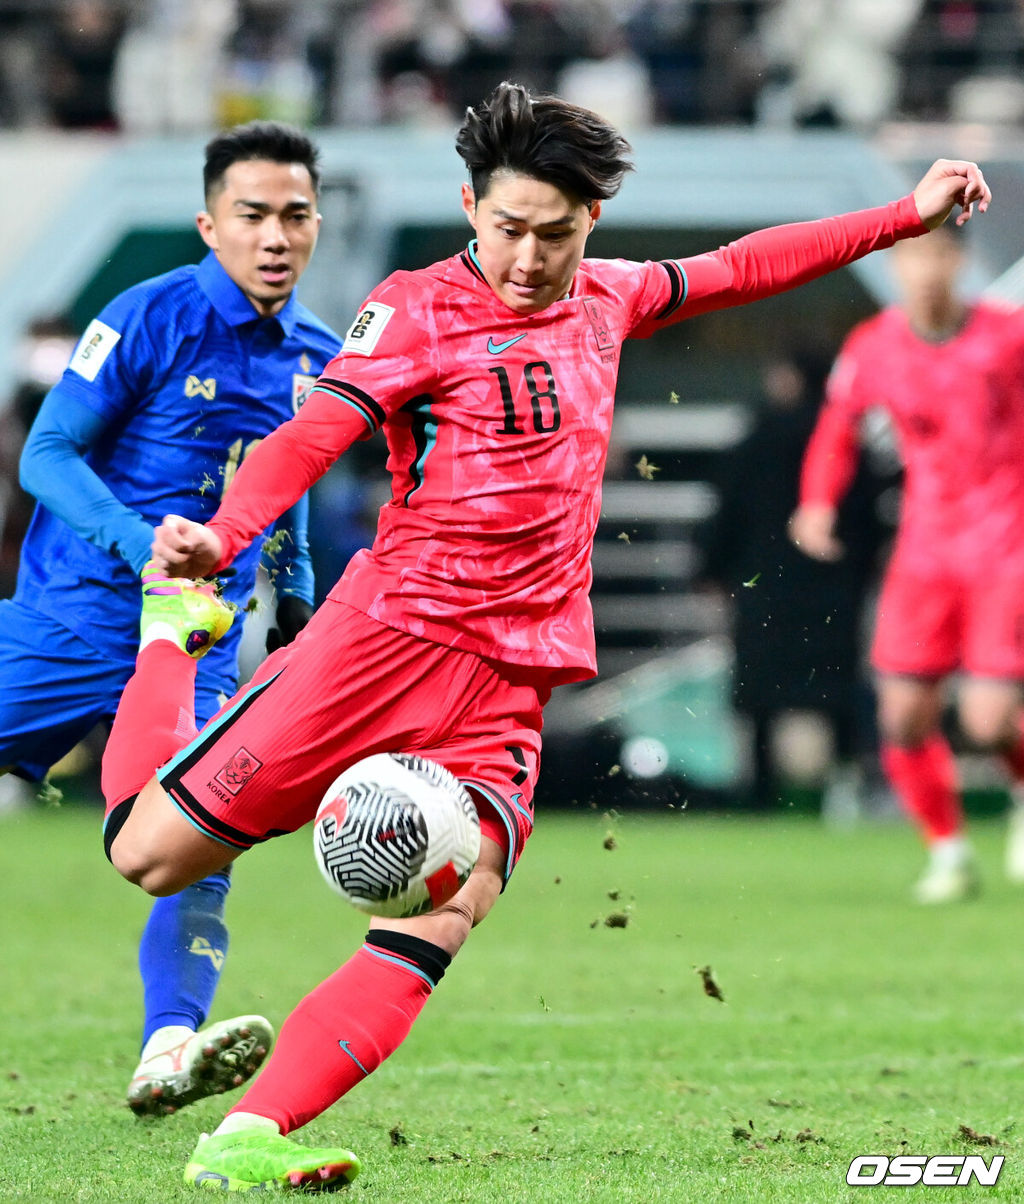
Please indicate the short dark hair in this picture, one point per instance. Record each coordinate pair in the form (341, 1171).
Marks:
(546, 138)
(270, 140)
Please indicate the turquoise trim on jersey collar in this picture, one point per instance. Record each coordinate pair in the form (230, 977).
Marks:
(231, 303)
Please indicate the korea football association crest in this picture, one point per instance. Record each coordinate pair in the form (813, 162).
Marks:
(302, 386)
(602, 335)
(238, 770)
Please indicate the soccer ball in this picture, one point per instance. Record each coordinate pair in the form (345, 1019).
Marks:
(396, 835)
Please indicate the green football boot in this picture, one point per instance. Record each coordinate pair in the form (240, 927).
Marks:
(191, 614)
(254, 1160)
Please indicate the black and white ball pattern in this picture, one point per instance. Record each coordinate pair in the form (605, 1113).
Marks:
(396, 835)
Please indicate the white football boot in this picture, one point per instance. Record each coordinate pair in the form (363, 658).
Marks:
(950, 876)
(178, 1066)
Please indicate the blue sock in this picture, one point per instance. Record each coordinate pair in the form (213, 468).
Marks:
(182, 953)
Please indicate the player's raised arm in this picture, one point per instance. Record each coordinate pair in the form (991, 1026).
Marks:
(778, 258)
(949, 183)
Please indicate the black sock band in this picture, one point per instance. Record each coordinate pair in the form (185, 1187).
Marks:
(115, 822)
(431, 959)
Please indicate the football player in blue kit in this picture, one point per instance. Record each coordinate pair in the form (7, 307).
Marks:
(169, 388)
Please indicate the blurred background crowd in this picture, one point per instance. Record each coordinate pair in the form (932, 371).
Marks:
(173, 66)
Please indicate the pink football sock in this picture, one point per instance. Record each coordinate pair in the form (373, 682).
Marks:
(155, 718)
(345, 1028)
(924, 779)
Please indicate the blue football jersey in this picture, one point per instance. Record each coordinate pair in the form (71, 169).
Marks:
(187, 379)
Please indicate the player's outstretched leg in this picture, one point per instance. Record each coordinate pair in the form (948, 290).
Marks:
(179, 1066)
(255, 1159)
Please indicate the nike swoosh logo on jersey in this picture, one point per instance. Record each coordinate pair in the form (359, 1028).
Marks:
(497, 348)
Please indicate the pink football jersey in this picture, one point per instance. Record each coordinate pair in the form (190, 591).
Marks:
(958, 412)
(498, 426)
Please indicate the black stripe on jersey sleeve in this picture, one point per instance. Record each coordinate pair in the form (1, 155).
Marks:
(677, 295)
(374, 410)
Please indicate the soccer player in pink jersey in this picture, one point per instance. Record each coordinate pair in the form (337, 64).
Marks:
(950, 374)
(493, 375)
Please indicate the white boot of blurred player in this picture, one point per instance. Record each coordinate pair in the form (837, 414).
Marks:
(950, 875)
(1015, 836)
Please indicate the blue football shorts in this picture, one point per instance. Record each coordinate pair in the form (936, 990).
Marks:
(56, 687)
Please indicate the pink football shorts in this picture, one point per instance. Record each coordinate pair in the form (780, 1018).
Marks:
(349, 687)
(930, 626)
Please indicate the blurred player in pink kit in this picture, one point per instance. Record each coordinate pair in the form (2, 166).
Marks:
(950, 374)
(493, 375)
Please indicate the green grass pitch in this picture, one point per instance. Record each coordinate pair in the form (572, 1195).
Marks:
(562, 1059)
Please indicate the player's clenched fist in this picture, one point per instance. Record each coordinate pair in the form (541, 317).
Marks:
(183, 548)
